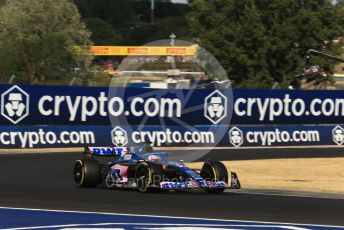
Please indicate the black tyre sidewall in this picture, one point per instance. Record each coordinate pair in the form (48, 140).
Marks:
(221, 171)
(154, 176)
(91, 172)
(217, 171)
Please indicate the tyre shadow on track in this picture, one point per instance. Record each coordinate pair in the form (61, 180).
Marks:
(168, 192)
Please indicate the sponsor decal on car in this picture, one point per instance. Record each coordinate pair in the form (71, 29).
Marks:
(108, 151)
(193, 184)
(178, 185)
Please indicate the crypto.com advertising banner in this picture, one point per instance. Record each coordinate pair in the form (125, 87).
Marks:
(51, 105)
(45, 105)
(233, 136)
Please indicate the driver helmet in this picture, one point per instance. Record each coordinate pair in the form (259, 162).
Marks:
(154, 158)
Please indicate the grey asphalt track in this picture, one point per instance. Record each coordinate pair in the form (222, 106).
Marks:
(46, 181)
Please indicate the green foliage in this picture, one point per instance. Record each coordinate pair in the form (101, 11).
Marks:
(131, 19)
(118, 13)
(38, 40)
(102, 32)
(260, 41)
(144, 33)
(172, 24)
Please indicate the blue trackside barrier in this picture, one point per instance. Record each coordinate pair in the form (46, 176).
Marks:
(57, 116)
(199, 136)
(51, 105)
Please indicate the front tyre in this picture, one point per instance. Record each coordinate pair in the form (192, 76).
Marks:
(87, 173)
(148, 176)
(214, 171)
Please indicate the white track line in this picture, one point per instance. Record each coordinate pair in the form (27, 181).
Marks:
(170, 217)
(284, 194)
(161, 224)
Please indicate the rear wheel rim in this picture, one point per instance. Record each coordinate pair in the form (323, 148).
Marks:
(78, 173)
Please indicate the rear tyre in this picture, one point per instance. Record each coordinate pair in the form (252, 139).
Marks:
(87, 173)
(148, 176)
(214, 171)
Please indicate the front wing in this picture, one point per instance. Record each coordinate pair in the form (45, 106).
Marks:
(202, 184)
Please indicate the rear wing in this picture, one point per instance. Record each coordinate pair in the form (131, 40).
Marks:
(105, 151)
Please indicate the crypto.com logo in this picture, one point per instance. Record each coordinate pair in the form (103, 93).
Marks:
(215, 107)
(119, 137)
(338, 135)
(15, 104)
(236, 137)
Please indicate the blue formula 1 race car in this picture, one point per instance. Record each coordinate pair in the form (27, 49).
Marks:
(146, 170)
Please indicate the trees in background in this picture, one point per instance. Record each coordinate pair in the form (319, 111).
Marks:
(260, 42)
(38, 40)
(103, 33)
(131, 19)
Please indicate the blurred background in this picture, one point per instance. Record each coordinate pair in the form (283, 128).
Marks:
(279, 44)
